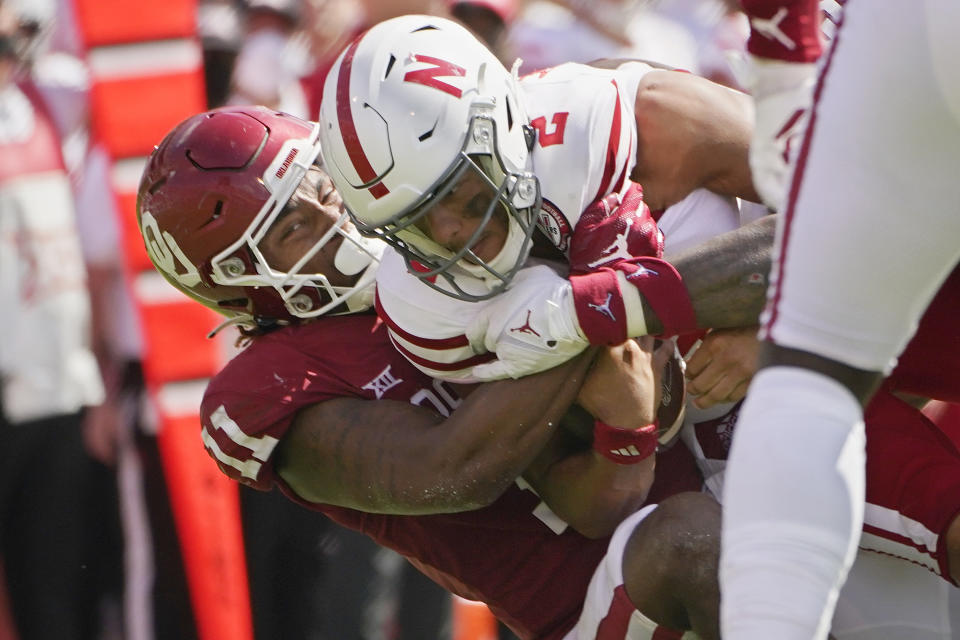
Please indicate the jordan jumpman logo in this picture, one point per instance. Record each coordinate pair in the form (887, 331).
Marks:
(526, 328)
(604, 308)
(617, 249)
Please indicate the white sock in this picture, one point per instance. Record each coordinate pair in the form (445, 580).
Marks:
(793, 506)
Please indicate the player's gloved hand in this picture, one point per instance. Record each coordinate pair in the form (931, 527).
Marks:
(785, 41)
(531, 326)
(613, 229)
(609, 302)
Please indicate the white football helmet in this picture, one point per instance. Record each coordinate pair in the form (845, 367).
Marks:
(408, 108)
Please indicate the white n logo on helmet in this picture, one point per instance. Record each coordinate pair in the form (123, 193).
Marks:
(165, 253)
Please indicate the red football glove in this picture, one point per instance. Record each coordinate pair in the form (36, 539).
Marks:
(785, 41)
(608, 301)
(610, 230)
(786, 30)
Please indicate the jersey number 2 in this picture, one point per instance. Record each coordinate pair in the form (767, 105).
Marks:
(559, 123)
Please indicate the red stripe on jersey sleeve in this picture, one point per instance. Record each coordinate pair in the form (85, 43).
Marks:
(617, 621)
(613, 146)
(614, 624)
(466, 363)
(437, 344)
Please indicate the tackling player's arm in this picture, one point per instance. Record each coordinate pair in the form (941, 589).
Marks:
(587, 491)
(726, 278)
(392, 457)
(591, 491)
(719, 284)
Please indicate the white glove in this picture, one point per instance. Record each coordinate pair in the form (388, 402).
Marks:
(782, 92)
(531, 326)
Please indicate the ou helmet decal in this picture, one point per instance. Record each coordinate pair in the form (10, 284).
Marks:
(166, 253)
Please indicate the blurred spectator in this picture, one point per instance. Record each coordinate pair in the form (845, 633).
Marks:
(372, 593)
(549, 33)
(284, 547)
(220, 27)
(285, 566)
(701, 36)
(720, 30)
(272, 58)
(155, 597)
(135, 581)
(331, 24)
(489, 19)
(312, 579)
(48, 372)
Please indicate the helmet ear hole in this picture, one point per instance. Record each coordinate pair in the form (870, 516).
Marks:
(390, 63)
(217, 212)
(234, 303)
(156, 186)
(529, 136)
(482, 79)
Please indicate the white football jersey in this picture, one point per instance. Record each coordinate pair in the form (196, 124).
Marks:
(585, 149)
(587, 146)
(586, 138)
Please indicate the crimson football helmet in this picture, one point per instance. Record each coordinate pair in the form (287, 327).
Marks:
(207, 197)
(408, 108)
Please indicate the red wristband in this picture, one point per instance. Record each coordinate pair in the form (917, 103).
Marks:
(624, 446)
(660, 284)
(787, 30)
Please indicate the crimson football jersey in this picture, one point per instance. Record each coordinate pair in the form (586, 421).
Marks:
(515, 555)
(930, 365)
(913, 476)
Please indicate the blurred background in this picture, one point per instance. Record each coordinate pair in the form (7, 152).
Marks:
(114, 523)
